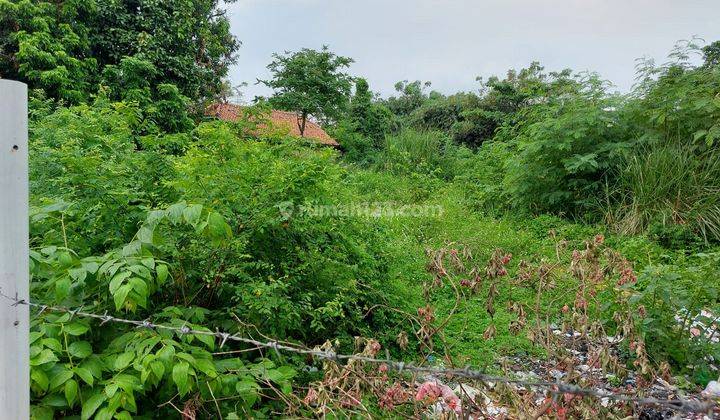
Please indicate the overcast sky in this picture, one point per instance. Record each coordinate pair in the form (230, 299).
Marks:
(451, 42)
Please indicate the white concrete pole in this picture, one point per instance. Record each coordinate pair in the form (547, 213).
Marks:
(14, 250)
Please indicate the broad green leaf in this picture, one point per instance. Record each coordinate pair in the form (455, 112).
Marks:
(138, 285)
(208, 340)
(123, 415)
(62, 288)
(40, 378)
(76, 328)
(54, 400)
(117, 280)
(247, 390)
(124, 360)
(104, 413)
(175, 212)
(110, 390)
(35, 350)
(84, 374)
(42, 413)
(158, 369)
(90, 266)
(192, 213)
(91, 405)
(218, 227)
(80, 349)
(127, 382)
(141, 271)
(78, 274)
(131, 249)
(162, 273)
(274, 375)
(180, 377)
(148, 262)
(45, 356)
(287, 372)
(120, 296)
(155, 216)
(51, 343)
(71, 391)
(35, 335)
(205, 366)
(186, 357)
(167, 353)
(58, 378)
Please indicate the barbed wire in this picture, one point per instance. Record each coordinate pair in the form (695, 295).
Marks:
(678, 404)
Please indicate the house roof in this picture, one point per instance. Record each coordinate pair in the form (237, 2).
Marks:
(284, 119)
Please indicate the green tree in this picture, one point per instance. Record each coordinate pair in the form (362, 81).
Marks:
(369, 118)
(411, 96)
(47, 45)
(711, 54)
(310, 83)
(63, 47)
(188, 41)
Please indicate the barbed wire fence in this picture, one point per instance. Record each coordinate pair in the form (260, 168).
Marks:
(555, 388)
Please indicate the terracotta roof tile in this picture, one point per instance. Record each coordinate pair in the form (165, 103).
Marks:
(284, 119)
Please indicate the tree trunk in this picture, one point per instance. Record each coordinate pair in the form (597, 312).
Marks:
(302, 119)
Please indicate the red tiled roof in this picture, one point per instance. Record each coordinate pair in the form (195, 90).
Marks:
(280, 119)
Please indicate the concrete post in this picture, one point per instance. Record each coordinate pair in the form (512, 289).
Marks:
(14, 251)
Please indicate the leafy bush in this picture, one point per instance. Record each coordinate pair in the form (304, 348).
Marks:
(296, 274)
(483, 175)
(368, 117)
(221, 229)
(564, 149)
(678, 100)
(677, 308)
(86, 158)
(115, 370)
(669, 183)
(356, 147)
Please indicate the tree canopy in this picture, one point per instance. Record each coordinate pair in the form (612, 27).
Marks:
(310, 83)
(65, 47)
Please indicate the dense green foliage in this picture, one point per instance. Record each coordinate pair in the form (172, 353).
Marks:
(114, 230)
(69, 48)
(563, 143)
(142, 212)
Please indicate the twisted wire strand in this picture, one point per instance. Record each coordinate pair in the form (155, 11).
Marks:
(678, 404)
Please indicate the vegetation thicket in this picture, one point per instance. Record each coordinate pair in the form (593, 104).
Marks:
(143, 208)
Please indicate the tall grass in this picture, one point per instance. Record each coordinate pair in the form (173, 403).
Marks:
(669, 184)
(421, 152)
